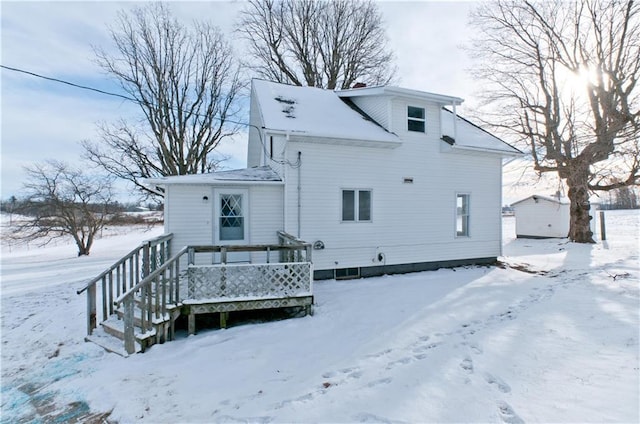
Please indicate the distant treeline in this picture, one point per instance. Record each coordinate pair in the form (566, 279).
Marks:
(119, 212)
(621, 198)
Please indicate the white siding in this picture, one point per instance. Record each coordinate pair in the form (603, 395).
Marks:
(377, 107)
(255, 147)
(188, 216)
(410, 222)
(276, 157)
(191, 219)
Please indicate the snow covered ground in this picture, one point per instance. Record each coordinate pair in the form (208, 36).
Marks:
(551, 336)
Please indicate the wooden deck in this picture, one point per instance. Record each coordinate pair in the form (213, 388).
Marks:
(144, 293)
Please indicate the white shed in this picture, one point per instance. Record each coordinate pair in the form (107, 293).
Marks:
(542, 217)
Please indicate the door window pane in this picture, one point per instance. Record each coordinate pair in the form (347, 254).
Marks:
(231, 222)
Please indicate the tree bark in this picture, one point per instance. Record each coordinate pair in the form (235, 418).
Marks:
(580, 220)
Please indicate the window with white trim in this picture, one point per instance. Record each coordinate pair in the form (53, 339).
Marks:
(462, 215)
(356, 205)
(415, 119)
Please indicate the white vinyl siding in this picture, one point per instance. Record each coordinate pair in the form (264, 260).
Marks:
(191, 218)
(376, 107)
(255, 150)
(410, 222)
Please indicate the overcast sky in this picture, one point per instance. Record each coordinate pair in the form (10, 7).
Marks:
(46, 120)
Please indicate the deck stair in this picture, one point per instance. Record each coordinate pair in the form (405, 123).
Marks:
(144, 293)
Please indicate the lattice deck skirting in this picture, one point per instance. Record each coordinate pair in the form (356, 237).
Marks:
(193, 308)
(225, 288)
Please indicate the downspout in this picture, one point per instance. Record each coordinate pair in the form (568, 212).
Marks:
(299, 192)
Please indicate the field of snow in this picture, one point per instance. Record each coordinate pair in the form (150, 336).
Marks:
(550, 336)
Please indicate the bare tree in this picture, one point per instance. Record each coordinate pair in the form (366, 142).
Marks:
(328, 44)
(563, 77)
(186, 82)
(63, 201)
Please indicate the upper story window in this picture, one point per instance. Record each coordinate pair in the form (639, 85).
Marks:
(356, 205)
(415, 119)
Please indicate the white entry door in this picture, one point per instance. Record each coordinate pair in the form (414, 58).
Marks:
(231, 221)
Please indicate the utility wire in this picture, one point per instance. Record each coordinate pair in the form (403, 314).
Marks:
(72, 84)
(131, 99)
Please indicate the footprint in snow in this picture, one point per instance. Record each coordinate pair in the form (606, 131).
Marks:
(365, 417)
(507, 415)
(475, 348)
(467, 365)
(401, 361)
(379, 382)
(426, 347)
(501, 385)
(379, 354)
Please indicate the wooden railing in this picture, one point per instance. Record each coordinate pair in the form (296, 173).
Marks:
(294, 255)
(155, 294)
(123, 276)
(160, 291)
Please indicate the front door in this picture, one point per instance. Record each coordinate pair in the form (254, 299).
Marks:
(231, 222)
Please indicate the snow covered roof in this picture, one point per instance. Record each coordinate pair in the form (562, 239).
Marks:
(470, 136)
(263, 174)
(311, 111)
(399, 91)
(536, 197)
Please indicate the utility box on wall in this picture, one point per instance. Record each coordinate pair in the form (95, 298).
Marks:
(544, 217)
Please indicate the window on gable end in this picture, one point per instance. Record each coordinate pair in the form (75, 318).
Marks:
(415, 119)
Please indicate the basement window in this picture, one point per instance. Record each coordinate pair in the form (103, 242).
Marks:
(415, 119)
(347, 273)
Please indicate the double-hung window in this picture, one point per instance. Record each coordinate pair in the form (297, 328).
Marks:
(415, 119)
(462, 215)
(356, 205)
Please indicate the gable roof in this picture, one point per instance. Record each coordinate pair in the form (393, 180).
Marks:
(262, 174)
(472, 137)
(536, 197)
(311, 111)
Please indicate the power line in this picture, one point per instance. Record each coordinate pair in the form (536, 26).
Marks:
(72, 84)
(131, 99)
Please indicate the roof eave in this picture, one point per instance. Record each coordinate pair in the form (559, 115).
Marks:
(163, 183)
(400, 92)
(506, 153)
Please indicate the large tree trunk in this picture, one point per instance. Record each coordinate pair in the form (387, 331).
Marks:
(580, 220)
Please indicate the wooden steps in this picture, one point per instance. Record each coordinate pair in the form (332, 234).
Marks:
(110, 334)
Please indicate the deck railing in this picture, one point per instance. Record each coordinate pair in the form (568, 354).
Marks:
(123, 276)
(159, 293)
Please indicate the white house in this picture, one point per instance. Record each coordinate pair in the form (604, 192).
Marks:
(378, 179)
